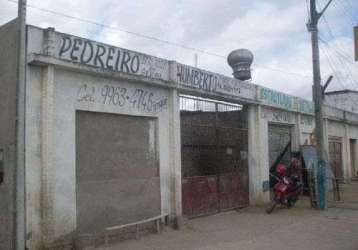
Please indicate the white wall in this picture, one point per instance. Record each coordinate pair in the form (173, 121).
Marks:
(8, 92)
(258, 155)
(53, 163)
(346, 101)
(33, 156)
(54, 95)
(258, 122)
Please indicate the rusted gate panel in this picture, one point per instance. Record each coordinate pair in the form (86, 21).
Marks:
(214, 157)
(233, 191)
(203, 195)
(200, 195)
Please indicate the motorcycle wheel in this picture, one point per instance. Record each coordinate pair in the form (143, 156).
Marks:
(270, 208)
(291, 203)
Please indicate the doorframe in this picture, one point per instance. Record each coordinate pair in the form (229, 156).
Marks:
(337, 139)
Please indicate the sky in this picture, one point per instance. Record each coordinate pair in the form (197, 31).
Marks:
(275, 31)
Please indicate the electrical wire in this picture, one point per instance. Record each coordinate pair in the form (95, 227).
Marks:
(106, 26)
(343, 12)
(149, 37)
(349, 10)
(337, 74)
(342, 65)
(343, 59)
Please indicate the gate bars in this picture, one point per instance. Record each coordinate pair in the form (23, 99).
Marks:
(214, 155)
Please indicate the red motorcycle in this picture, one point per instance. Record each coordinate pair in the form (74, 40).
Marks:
(286, 190)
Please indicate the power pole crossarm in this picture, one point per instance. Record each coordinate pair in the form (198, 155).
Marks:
(324, 9)
(315, 15)
(325, 86)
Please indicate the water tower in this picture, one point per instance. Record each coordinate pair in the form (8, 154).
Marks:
(240, 61)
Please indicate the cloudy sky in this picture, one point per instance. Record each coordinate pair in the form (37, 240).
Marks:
(275, 31)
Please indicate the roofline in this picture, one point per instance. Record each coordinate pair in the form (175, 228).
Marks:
(343, 91)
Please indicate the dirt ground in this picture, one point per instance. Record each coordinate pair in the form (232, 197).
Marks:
(251, 228)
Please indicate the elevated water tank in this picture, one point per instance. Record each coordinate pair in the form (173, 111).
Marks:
(240, 61)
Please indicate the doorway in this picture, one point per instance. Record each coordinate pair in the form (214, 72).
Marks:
(117, 170)
(335, 156)
(352, 147)
(279, 142)
(214, 156)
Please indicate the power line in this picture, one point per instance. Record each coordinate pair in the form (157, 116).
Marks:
(106, 26)
(344, 65)
(343, 12)
(282, 71)
(349, 9)
(334, 38)
(338, 73)
(331, 63)
(337, 50)
(149, 37)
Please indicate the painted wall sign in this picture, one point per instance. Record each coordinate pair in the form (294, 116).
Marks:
(274, 98)
(305, 106)
(108, 57)
(280, 116)
(212, 83)
(281, 100)
(119, 96)
(104, 56)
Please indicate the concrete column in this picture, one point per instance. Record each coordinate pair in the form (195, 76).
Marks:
(325, 138)
(258, 156)
(296, 133)
(47, 154)
(47, 177)
(355, 169)
(347, 173)
(175, 151)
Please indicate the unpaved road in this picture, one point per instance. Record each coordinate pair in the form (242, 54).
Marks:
(250, 228)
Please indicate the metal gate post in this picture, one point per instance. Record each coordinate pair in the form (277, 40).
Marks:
(217, 166)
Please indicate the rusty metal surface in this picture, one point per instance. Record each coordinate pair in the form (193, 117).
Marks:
(204, 195)
(200, 195)
(214, 156)
(233, 192)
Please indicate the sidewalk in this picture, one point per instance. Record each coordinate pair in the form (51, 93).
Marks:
(251, 228)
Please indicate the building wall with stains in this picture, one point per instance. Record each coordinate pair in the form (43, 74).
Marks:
(67, 74)
(56, 93)
(346, 100)
(8, 51)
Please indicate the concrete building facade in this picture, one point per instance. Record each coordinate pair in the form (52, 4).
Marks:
(343, 99)
(103, 134)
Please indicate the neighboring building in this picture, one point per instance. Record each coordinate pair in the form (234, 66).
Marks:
(343, 99)
(112, 137)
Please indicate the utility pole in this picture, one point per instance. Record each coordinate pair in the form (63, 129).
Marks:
(20, 225)
(318, 103)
